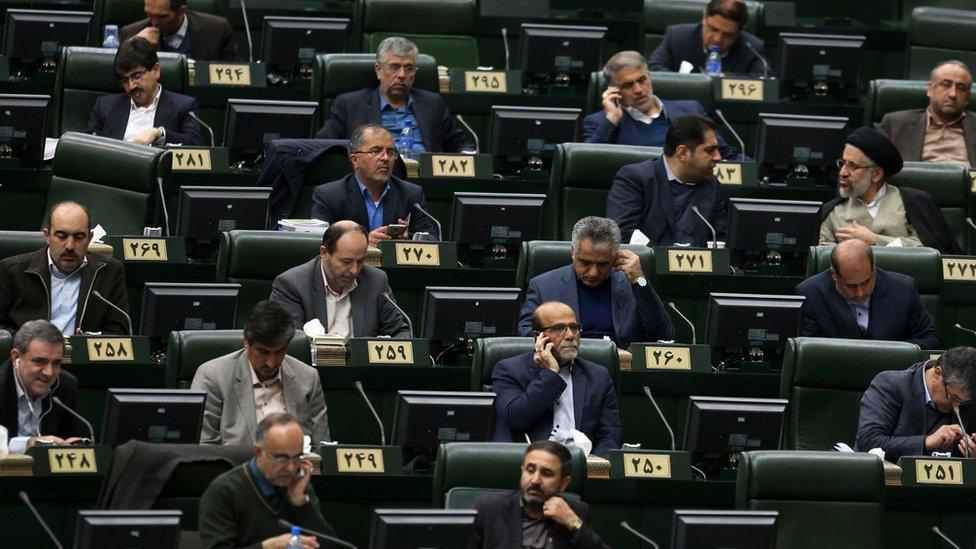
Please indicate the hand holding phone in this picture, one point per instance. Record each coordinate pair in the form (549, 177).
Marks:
(396, 231)
(611, 105)
(296, 489)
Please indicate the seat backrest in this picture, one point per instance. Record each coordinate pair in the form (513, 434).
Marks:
(443, 29)
(824, 378)
(948, 184)
(582, 174)
(19, 242)
(124, 12)
(824, 499)
(489, 350)
(114, 180)
(937, 34)
(671, 86)
(85, 74)
(922, 264)
(886, 96)
(187, 350)
(659, 14)
(254, 258)
(539, 256)
(6, 343)
(491, 465)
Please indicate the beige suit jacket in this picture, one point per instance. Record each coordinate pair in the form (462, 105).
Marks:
(890, 223)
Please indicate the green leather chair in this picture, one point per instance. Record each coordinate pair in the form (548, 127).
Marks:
(824, 499)
(938, 34)
(84, 74)
(582, 174)
(443, 29)
(187, 350)
(949, 186)
(824, 378)
(539, 256)
(666, 85)
(254, 258)
(489, 350)
(115, 180)
(886, 96)
(659, 14)
(20, 242)
(124, 12)
(6, 343)
(466, 470)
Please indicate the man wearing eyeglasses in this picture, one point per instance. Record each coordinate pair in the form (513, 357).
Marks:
(146, 113)
(551, 393)
(398, 106)
(242, 507)
(944, 131)
(876, 212)
(923, 409)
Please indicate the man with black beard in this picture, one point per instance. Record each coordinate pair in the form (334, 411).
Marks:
(536, 516)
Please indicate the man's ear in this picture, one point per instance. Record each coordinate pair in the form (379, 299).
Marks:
(564, 483)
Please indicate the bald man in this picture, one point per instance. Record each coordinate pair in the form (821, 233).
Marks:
(549, 393)
(853, 299)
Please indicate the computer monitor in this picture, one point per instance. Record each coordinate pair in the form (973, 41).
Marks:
(206, 212)
(711, 529)
(526, 137)
(421, 528)
(33, 39)
(176, 306)
(560, 54)
(153, 415)
(820, 65)
(454, 316)
(764, 232)
(290, 44)
(796, 149)
(750, 330)
(423, 420)
(250, 124)
(147, 529)
(494, 225)
(718, 429)
(23, 127)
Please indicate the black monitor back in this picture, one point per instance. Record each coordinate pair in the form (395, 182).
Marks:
(290, 43)
(518, 133)
(23, 125)
(709, 529)
(787, 140)
(34, 36)
(485, 219)
(249, 124)
(421, 528)
(453, 313)
(753, 320)
(773, 225)
(424, 419)
(205, 212)
(149, 529)
(561, 49)
(830, 62)
(724, 425)
(175, 306)
(153, 415)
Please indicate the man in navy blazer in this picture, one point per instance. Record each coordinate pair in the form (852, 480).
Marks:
(721, 26)
(549, 393)
(146, 113)
(395, 105)
(632, 114)
(605, 287)
(911, 412)
(854, 300)
(658, 196)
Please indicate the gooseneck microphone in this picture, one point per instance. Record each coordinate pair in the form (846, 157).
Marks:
(440, 231)
(477, 142)
(642, 537)
(359, 387)
(91, 432)
(742, 145)
(505, 45)
(963, 329)
(162, 202)
(969, 221)
(332, 539)
(409, 323)
(116, 307)
(206, 126)
(33, 510)
(247, 32)
(714, 234)
(934, 529)
(761, 58)
(647, 391)
(694, 338)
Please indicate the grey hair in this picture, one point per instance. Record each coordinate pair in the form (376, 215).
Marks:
(955, 62)
(959, 368)
(358, 136)
(623, 60)
(269, 421)
(396, 45)
(601, 231)
(37, 329)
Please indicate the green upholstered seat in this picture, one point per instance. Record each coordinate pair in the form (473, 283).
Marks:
(443, 29)
(824, 499)
(582, 174)
(949, 186)
(666, 85)
(539, 256)
(124, 12)
(19, 242)
(187, 350)
(489, 350)
(254, 258)
(6, 343)
(85, 74)
(484, 467)
(115, 180)
(938, 34)
(659, 14)
(823, 378)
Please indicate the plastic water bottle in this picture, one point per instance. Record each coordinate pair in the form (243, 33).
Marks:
(111, 37)
(713, 65)
(296, 539)
(405, 142)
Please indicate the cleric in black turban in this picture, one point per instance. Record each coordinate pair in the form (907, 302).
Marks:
(878, 148)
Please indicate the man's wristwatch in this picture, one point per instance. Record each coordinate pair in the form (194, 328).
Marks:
(641, 281)
(576, 525)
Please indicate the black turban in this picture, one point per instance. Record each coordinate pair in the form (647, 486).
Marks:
(878, 148)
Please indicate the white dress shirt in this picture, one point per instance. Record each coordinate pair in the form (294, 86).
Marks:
(269, 395)
(339, 309)
(28, 418)
(563, 413)
(141, 118)
(175, 40)
(64, 295)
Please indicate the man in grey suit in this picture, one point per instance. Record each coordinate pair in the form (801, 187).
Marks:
(917, 411)
(246, 386)
(348, 297)
(944, 131)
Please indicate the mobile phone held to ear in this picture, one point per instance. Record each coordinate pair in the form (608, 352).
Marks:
(396, 231)
(299, 473)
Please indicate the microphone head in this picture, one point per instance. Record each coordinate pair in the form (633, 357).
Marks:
(23, 497)
(96, 293)
(358, 384)
(695, 209)
(968, 220)
(671, 304)
(646, 389)
(57, 400)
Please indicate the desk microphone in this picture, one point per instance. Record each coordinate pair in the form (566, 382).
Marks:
(694, 338)
(702, 217)
(91, 432)
(199, 120)
(440, 231)
(409, 323)
(359, 387)
(962, 329)
(285, 524)
(969, 221)
(505, 45)
(477, 142)
(647, 391)
(162, 202)
(934, 529)
(642, 537)
(761, 58)
(116, 307)
(742, 145)
(50, 534)
(247, 31)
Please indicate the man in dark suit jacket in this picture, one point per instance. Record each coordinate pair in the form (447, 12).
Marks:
(910, 412)
(855, 300)
(944, 131)
(371, 195)
(171, 27)
(722, 24)
(657, 196)
(536, 512)
(605, 286)
(529, 384)
(395, 105)
(146, 113)
(632, 114)
(28, 379)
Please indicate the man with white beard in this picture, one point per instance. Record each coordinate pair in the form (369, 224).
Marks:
(876, 212)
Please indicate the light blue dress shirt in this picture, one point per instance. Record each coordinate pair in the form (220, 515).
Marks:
(28, 419)
(64, 296)
(374, 210)
(862, 313)
(564, 416)
(394, 120)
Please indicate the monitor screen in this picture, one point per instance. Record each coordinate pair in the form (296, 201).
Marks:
(800, 146)
(724, 425)
(753, 320)
(424, 419)
(23, 126)
(421, 528)
(143, 529)
(820, 65)
(701, 529)
(452, 314)
(486, 219)
(175, 306)
(289, 44)
(34, 37)
(250, 124)
(561, 49)
(520, 133)
(153, 415)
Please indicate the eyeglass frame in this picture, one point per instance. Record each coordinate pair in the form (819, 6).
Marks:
(572, 327)
(377, 151)
(851, 167)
